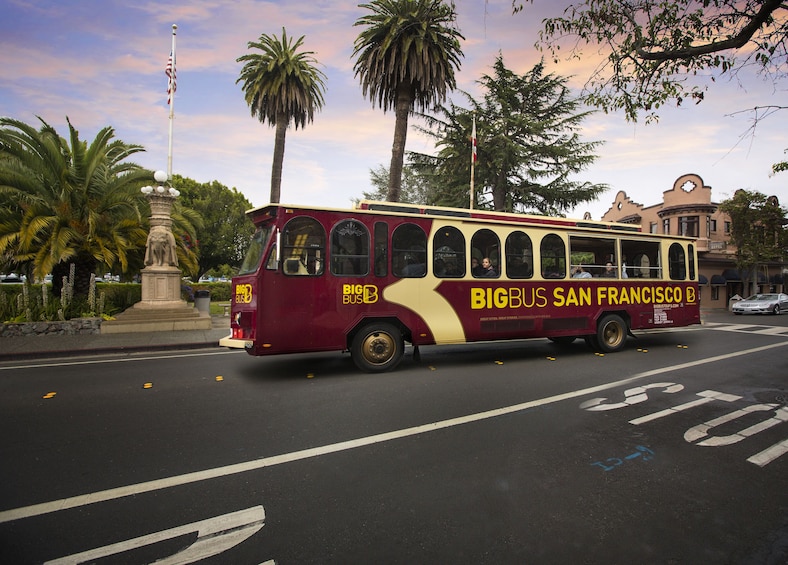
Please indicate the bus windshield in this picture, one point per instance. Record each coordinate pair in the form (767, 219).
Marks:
(255, 252)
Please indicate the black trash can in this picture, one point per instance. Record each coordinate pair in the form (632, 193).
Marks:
(202, 301)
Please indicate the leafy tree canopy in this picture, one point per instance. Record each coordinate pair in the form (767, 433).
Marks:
(414, 190)
(224, 237)
(528, 146)
(653, 49)
(758, 229)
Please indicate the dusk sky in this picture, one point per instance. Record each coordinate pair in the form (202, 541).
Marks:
(101, 62)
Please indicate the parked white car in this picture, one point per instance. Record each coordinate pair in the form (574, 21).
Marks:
(772, 303)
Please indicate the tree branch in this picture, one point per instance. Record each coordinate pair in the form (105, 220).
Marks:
(736, 42)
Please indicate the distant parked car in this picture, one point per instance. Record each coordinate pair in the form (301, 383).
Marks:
(772, 303)
(12, 278)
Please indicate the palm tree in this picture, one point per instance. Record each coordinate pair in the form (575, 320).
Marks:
(280, 84)
(407, 56)
(64, 201)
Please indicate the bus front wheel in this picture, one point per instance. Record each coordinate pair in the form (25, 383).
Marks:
(377, 348)
(611, 333)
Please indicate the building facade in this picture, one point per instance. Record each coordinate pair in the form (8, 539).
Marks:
(687, 209)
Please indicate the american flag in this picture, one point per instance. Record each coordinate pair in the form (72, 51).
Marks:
(169, 70)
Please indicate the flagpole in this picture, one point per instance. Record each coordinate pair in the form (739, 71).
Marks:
(473, 159)
(172, 105)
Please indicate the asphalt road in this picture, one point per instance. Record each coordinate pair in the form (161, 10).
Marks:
(672, 451)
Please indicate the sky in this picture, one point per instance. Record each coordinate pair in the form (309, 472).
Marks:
(101, 63)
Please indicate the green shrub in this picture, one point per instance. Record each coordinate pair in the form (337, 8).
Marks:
(119, 296)
(34, 302)
(220, 291)
(31, 305)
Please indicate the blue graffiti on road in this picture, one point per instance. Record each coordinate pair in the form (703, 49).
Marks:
(641, 452)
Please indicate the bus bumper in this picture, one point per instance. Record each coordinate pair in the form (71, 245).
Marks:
(229, 341)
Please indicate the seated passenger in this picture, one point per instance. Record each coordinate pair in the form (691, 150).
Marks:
(414, 270)
(581, 273)
(488, 271)
(518, 269)
(476, 269)
(610, 271)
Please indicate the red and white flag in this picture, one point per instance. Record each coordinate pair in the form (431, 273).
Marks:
(169, 70)
(473, 141)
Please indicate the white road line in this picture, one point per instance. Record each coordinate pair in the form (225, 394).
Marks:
(749, 328)
(188, 478)
(121, 360)
(772, 330)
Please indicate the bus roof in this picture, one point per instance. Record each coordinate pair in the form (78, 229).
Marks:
(402, 209)
(405, 209)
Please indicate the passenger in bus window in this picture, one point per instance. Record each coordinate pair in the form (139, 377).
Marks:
(488, 271)
(610, 271)
(517, 268)
(413, 268)
(439, 268)
(581, 273)
(476, 269)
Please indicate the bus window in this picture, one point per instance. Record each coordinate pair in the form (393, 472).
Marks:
(273, 257)
(485, 244)
(448, 259)
(350, 249)
(303, 247)
(409, 251)
(255, 252)
(593, 254)
(381, 249)
(553, 257)
(642, 258)
(519, 256)
(676, 262)
(691, 262)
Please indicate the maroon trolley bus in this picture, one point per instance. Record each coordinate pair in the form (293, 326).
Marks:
(370, 279)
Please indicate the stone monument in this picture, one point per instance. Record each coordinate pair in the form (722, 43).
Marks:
(161, 307)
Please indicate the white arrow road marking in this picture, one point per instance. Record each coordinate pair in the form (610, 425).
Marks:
(214, 536)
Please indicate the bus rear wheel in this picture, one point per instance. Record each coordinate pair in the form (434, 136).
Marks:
(377, 348)
(611, 333)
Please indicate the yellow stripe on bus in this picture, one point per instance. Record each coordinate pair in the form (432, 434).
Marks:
(442, 320)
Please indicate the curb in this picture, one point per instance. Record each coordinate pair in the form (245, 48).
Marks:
(111, 350)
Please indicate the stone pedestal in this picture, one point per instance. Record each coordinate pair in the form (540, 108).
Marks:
(161, 288)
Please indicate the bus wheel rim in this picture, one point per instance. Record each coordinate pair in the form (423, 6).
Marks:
(379, 348)
(613, 334)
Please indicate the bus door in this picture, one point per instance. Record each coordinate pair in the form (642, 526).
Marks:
(299, 290)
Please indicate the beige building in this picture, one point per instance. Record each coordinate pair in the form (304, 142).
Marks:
(687, 209)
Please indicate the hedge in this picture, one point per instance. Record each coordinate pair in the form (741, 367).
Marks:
(117, 297)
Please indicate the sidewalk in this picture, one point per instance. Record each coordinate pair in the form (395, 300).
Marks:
(41, 347)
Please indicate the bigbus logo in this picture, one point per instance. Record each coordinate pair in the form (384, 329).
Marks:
(541, 297)
(243, 294)
(359, 294)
